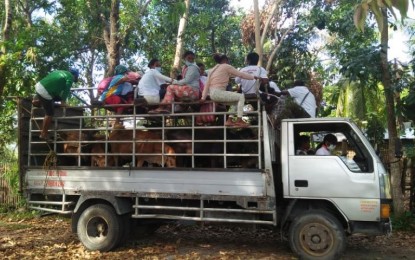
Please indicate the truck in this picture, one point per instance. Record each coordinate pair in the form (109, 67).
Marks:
(225, 174)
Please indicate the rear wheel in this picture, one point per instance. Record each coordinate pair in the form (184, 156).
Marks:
(317, 235)
(100, 228)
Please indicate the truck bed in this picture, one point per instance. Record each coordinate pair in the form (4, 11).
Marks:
(152, 181)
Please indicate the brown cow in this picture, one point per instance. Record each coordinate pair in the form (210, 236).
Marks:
(74, 145)
(119, 133)
(168, 157)
(73, 141)
(98, 153)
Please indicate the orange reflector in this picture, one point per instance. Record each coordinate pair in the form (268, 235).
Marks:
(385, 210)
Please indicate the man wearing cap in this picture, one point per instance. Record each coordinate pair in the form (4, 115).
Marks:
(55, 86)
(118, 90)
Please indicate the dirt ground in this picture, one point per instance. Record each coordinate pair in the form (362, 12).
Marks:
(50, 237)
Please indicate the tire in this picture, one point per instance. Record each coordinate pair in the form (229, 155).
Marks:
(317, 235)
(100, 228)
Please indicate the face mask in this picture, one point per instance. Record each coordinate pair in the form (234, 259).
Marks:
(158, 69)
(188, 63)
(331, 147)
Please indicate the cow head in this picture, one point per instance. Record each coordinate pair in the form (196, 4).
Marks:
(72, 141)
(170, 158)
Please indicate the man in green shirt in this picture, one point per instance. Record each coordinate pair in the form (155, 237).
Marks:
(56, 86)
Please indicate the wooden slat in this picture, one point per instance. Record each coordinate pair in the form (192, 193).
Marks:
(7, 197)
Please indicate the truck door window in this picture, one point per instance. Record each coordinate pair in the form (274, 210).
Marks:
(349, 148)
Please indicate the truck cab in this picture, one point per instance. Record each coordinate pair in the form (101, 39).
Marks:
(351, 184)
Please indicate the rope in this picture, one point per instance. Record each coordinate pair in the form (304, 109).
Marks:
(50, 164)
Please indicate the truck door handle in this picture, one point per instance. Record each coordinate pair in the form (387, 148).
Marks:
(301, 183)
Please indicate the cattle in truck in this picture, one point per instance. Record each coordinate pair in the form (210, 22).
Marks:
(75, 145)
(145, 145)
(100, 154)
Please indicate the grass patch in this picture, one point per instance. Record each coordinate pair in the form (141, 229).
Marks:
(13, 226)
(405, 222)
(16, 215)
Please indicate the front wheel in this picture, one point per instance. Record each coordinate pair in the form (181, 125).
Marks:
(99, 228)
(317, 235)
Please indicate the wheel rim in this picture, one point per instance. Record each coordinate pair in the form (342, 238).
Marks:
(316, 239)
(97, 229)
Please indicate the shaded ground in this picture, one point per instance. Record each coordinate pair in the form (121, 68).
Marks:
(50, 237)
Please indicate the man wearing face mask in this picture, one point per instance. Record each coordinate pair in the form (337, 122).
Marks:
(186, 88)
(328, 145)
(149, 85)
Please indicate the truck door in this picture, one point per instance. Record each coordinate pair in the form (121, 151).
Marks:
(345, 174)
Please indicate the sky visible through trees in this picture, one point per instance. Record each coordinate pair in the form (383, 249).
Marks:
(398, 41)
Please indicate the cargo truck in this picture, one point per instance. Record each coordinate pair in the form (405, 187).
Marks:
(224, 174)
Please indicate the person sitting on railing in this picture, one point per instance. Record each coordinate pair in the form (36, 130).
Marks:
(303, 97)
(250, 86)
(218, 80)
(55, 86)
(149, 85)
(119, 91)
(186, 88)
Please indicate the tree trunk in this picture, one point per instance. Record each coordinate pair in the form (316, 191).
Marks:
(7, 22)
(277, 47)
(110, 33)
(90, 61)
(258, 45)
(395, 166)
(114, 44)
(27, 10)
(179, 40)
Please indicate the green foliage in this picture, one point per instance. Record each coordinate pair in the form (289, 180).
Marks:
(330, 99)
(353, 53)
(409, 149)
(11, 169)
(16, 215)
(408, 107)
(8, 126)
(294, 56)
(375, 129)
(406, 222)
(366, 6)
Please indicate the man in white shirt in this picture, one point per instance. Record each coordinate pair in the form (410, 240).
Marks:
(188, 88)
(249, 86)
(274, 86)
(302, 96)
(149, 85)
